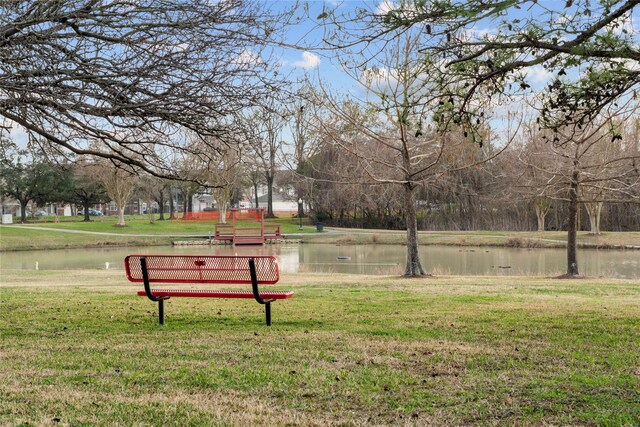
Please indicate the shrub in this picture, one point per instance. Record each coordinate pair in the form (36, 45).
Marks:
(519, 242)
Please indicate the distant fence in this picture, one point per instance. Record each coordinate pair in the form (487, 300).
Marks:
(203, 216)
(248, 214)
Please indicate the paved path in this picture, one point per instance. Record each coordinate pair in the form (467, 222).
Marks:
(106, 233)
(329, 230)
(102, 233)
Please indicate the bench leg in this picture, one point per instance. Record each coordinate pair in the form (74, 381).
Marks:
(267, 311)
(161, 311)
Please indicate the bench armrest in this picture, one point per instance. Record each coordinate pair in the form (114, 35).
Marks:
(254, 283)
(145, 278)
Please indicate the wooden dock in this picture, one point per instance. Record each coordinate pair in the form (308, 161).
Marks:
(243, 235)
(212, 242)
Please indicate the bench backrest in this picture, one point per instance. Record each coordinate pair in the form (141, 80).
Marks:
(202, 269)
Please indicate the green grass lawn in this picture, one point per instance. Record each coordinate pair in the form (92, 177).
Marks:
(157, 233)
(12, 238)
(526, 239)
(28, 239)
(79, 348)
(140, 224)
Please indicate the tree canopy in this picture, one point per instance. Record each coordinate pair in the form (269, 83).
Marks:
(29, 179)
(123, 79)
(488, 48)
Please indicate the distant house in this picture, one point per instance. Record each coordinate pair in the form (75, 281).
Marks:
(282, 202)
(202, 202)
(284, 197)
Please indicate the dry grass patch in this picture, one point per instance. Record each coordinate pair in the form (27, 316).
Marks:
(519, 242)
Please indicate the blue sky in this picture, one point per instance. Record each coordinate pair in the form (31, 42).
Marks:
(322, 65)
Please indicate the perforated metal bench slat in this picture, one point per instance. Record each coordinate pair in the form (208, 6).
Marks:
(202, 269)
(210, 293)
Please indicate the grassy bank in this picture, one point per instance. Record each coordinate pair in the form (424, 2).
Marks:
(21, 239)
(140, 224)
(519, 239)
(80, 348)
(140, 232)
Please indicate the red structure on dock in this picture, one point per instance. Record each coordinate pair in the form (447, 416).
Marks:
(243, 234)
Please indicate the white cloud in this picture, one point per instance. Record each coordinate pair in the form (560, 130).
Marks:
(248, 57)
(17, 133)
(385, 6)
(379, 78)
(538, 74)
(386, 80)
(630, 64)
(309, 60)
(473, 34)
(564, 18)
(624, 24)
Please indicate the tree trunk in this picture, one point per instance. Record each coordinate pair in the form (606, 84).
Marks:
(300, 208)
(85, 207)
(471, 211)
(598, 216)
(152, 218)
(23, 210)
(255, 194)
(594, 210)
(222, 210)
(541, 206)
(172, 205)
(161, 206)
(541, 217)
(185, 206)
(121, 222)
(270, 213)
(572, 231)
(414, 267)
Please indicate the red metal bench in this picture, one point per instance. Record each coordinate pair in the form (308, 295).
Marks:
(205, 269)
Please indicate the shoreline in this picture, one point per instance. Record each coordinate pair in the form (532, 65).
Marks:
(15, 238)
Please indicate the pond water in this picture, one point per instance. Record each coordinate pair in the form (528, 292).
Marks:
(358, 259)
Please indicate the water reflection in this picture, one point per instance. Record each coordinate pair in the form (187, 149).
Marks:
(357, 259)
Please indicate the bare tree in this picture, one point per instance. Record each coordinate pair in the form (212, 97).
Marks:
(255, 178)
(531, 177)
(593, 40)
(87, 188)
(119, 184)
(153, 189)
(160, 193)
(304, 116)
(587, 164)
(224, 178)
(263, 128)
(123, 79)
(611, 173)
(391, 136)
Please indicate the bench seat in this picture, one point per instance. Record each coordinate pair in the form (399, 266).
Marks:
(225, 293)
